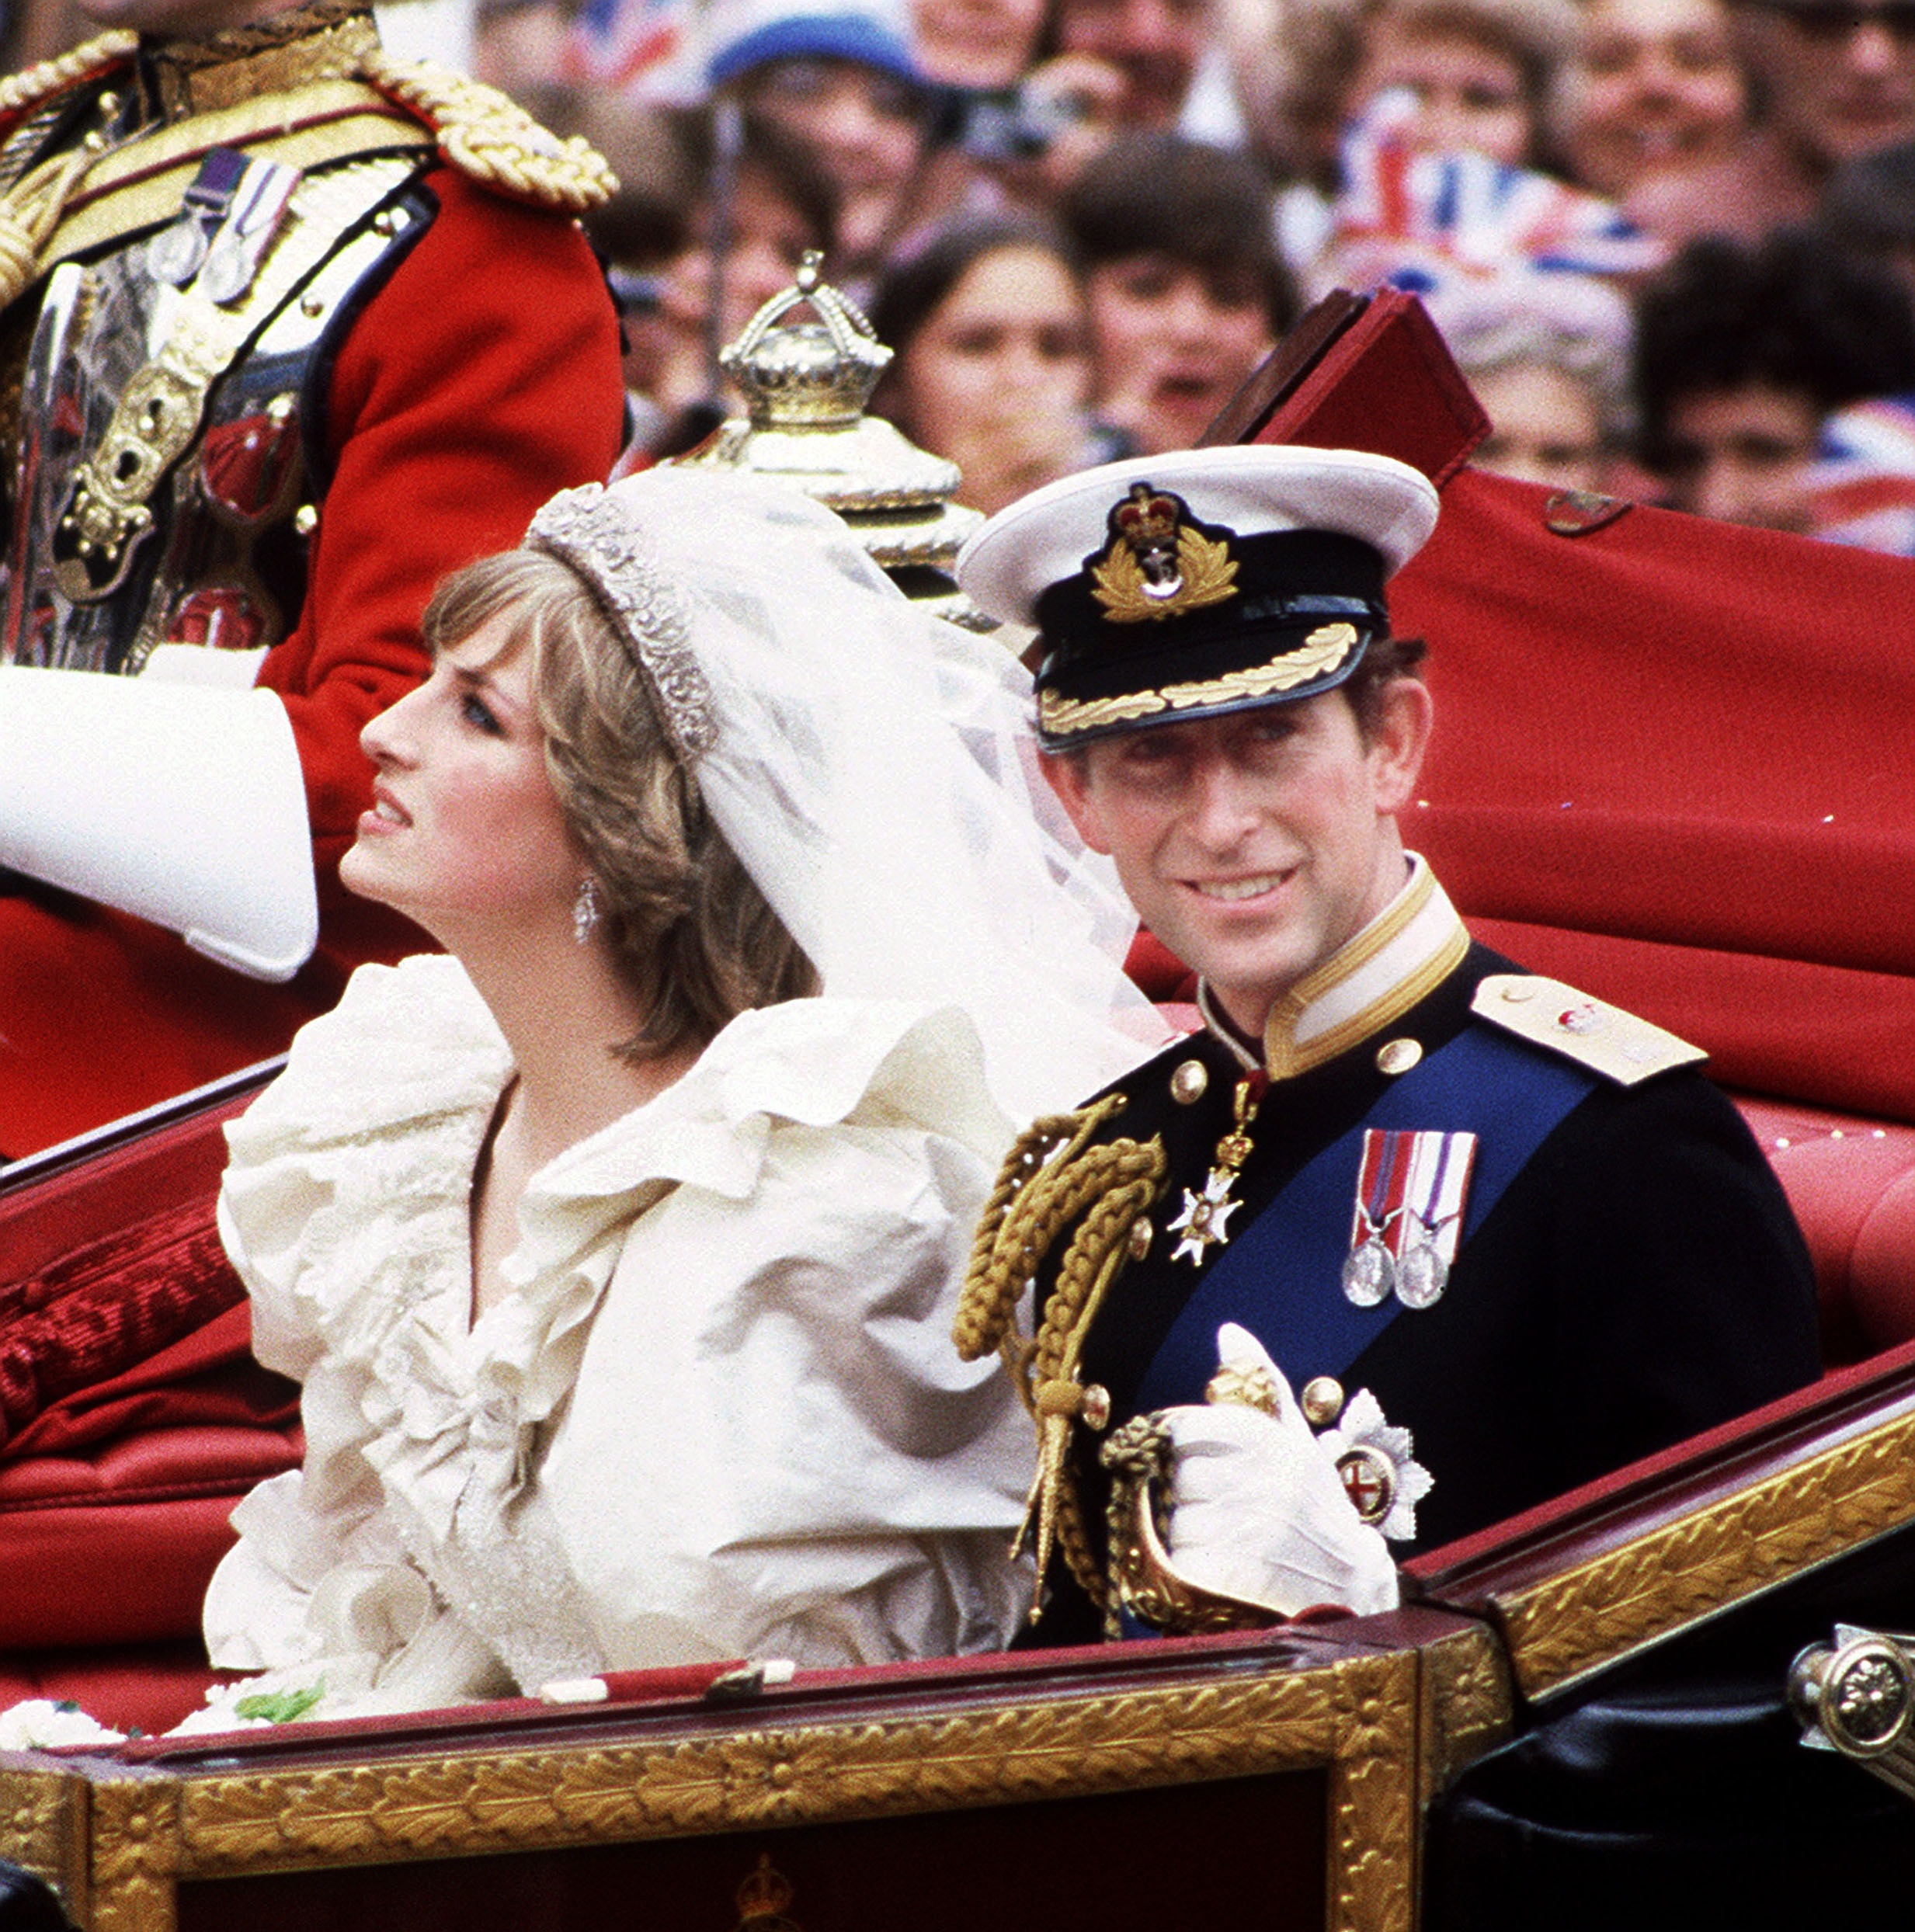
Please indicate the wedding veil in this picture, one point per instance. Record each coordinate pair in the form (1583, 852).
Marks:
(872, 767)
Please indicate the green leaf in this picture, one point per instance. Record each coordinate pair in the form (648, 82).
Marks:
(280, 1707)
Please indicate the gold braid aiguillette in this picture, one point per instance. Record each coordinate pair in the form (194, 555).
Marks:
(1052, 1175)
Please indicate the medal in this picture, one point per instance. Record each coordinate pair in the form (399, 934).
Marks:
(1411, 1186)
(174, 254)
(1370, 1270)
(227, 271)
(1203, 1218)
(1369, 1274)
(1423, 1272)
(1422, 1277)
(259, 204)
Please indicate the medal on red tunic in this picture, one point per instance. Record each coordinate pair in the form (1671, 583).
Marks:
(259, 204)
(175, 253)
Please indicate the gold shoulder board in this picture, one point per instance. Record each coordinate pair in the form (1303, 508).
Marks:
(1591, 1032)
(34, 86)
(492, 139)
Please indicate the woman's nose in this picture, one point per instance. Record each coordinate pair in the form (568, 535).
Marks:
(384, 735)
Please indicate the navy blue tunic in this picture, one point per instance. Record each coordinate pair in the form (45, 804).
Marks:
(1629, 1273)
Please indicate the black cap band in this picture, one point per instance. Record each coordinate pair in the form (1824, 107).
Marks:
(1282, 577)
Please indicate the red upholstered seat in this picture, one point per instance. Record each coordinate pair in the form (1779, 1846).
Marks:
(134, 1419)
(106, 1544)
(146, 1687)
(115, 1546)
(1851, 1182)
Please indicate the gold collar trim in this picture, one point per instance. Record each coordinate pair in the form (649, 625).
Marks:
(326, 40)
(1400, 957)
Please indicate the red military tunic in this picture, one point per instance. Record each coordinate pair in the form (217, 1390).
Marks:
(481, 378)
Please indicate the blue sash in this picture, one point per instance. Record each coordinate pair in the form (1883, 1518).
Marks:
(1281, 1277)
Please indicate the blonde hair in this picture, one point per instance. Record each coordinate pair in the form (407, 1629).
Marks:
(690, 933)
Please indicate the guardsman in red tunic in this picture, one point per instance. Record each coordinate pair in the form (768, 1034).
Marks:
(289, 328)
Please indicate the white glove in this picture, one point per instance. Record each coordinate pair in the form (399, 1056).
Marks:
(182, 804)
(1258, 1510)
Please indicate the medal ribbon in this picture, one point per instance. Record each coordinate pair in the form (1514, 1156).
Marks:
(207, 201)
(1379, 1198)
(1432, 1224)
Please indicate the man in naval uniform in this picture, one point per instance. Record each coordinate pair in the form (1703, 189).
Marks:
(289, 328)
(1403, 1241)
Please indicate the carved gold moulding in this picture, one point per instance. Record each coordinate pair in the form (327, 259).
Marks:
(1592, 1615)
(1383, 1726)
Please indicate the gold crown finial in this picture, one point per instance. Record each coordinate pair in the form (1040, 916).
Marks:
(807, 363)
(762, 1898)
(807, 375)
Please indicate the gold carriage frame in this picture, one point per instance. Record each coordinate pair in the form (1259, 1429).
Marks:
(1381, 1724)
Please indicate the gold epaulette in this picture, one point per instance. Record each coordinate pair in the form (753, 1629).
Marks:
(1056, 1175)
(1591, 1032)
(34, 86)
(491, 139)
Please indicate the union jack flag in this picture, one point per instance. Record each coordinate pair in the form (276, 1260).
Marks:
(646, 49)
(1411, 218)
(1863, 485)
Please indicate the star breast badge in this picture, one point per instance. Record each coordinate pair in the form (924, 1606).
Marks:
(1378, 1465)
(1203, 1218)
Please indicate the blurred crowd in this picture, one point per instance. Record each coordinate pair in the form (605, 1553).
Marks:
(1672, 242)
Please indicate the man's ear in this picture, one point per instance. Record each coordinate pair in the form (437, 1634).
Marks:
(1406, 713)
(1068, 773)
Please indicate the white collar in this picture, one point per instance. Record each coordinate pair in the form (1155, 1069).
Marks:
(1407, 951)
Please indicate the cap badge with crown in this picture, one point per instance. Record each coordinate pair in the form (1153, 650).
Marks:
(1159, 564)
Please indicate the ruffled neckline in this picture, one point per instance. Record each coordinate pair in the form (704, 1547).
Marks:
(378, 1120)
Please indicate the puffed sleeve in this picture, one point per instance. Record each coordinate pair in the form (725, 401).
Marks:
(359, 1157)
(773, 1447)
